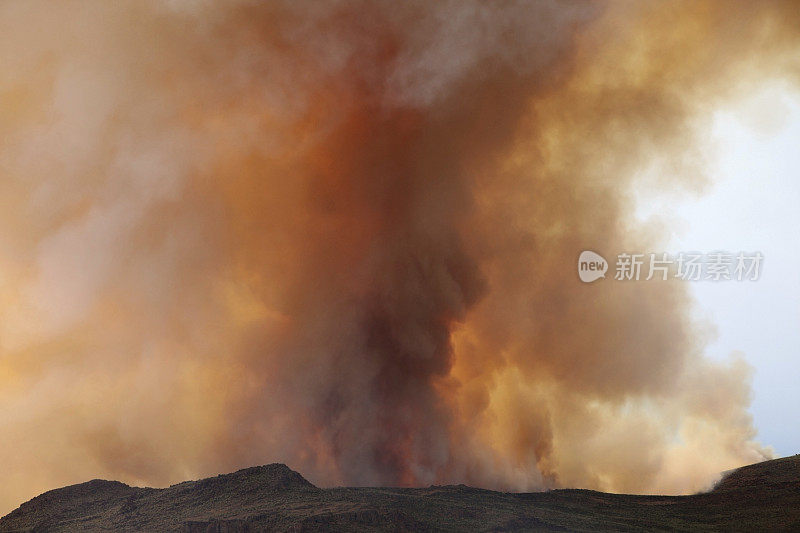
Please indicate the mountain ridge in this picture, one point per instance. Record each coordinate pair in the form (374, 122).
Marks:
(276, 498)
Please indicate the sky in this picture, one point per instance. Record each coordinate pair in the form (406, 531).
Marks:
(748, 203)
(753, 204)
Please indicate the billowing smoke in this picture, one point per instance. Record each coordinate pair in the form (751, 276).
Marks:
(343, 235)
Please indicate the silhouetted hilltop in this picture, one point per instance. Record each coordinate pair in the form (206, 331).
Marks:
(764, 496)
(778, 474)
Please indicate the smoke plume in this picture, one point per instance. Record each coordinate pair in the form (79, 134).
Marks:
(342, 236)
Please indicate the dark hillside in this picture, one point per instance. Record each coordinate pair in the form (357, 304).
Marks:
(760, 497)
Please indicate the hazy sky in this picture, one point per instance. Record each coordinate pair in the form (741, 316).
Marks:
(751, 203)
(754, 204)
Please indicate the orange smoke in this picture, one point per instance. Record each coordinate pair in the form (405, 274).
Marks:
(343, 237)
